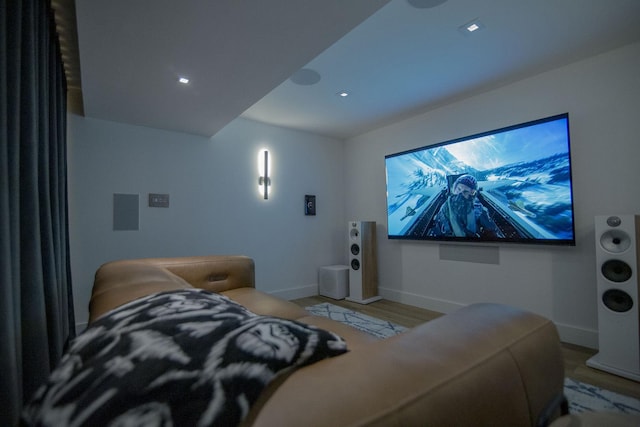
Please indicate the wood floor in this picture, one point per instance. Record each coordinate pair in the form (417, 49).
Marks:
(409, 316)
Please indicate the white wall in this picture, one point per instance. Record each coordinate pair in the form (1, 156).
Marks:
(214, 208)
(602, 96)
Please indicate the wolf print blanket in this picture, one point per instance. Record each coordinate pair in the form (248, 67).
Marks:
(186, 357)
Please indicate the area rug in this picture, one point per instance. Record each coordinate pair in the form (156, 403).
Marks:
(585, 397)
(377, 327)
(582, 397)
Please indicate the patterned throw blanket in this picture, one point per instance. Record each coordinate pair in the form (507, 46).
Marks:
(187, 357)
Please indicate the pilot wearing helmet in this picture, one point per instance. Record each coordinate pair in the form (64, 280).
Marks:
(462, 215)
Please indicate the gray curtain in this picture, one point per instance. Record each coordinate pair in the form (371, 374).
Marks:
(36, 305)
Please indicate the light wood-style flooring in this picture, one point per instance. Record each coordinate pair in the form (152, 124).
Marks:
(409, 316)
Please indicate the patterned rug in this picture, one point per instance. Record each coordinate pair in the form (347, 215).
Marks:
(582, 397)
(376, 327)
(585, 397)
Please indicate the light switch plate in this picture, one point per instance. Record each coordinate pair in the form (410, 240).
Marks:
(158, 200)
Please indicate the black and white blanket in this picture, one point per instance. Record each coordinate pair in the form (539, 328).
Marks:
(187, 357)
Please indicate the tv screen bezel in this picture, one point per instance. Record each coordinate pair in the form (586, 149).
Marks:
(484, 240)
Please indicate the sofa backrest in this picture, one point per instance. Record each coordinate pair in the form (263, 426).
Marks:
(216, 273)
(119, 282)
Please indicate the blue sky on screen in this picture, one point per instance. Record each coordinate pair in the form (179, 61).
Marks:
(513, 146)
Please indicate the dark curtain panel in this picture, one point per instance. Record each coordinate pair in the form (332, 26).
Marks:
(36, 305)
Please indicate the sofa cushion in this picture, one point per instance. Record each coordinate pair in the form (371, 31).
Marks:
(265, 304)
(182, 357)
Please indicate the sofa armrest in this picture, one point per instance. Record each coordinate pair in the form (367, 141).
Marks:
(215, 273)
(485, 364)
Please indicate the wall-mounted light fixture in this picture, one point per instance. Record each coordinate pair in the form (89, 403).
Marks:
(264, 181)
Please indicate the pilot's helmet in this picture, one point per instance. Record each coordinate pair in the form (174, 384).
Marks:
(467, 180)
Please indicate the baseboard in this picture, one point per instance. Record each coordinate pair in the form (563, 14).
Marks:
(578, 336)
(295, 293)
(433, 304)
(568, 333)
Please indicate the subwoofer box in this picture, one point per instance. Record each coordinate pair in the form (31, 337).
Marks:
(333, 281)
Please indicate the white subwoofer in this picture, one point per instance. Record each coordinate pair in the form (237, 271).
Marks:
(333, 281)
(617, 250)
(363, 262)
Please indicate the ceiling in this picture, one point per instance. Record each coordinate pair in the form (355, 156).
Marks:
(393, 58)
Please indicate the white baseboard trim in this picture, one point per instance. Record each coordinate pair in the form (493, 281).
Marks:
(433, 304)
(568, 333)
(295, 293)
(579, 336)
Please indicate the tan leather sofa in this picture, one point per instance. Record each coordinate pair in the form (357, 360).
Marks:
(484, 365)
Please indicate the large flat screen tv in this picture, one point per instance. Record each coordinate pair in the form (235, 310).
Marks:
(507, 185)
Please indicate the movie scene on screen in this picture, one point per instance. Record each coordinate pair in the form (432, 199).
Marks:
(508, 185)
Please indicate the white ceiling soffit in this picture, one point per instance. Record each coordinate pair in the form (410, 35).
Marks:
(405, 60)
(234, 52)
(395, 60)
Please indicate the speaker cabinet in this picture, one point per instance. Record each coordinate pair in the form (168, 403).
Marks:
(333, 281)
(363, 262)
(617, 261)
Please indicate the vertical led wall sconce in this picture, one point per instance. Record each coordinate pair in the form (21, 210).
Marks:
(264, 181)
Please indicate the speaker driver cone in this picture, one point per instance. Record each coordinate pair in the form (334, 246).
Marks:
(355, 264)
(616, 270)
(615, 241)
(355, 249)
(617, 300)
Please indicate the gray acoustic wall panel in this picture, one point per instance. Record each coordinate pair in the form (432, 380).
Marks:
(126, 215)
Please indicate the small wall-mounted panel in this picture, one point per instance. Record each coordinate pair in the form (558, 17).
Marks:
(126, 213)
(309, 204)
(158, 200)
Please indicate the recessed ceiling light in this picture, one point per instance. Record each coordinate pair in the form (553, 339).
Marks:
(343, 94)
(471, 27)
(183, 80)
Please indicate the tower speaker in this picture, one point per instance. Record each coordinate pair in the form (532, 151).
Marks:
(617, 261)
(363, 262)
